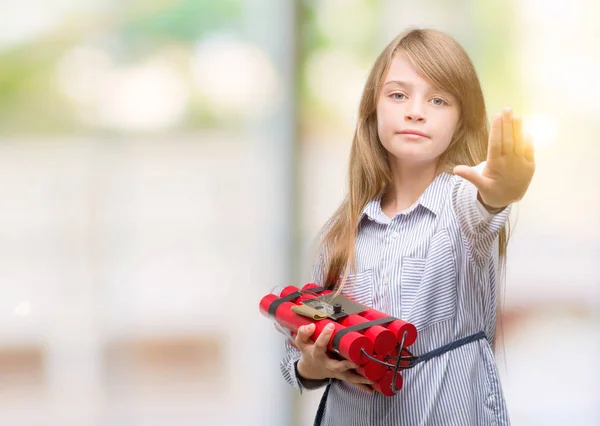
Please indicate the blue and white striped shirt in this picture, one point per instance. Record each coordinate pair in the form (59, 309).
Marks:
(435, 265)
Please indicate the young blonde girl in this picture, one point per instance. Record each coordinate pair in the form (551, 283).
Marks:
(420, 236)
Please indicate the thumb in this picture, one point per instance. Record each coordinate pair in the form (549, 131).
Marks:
(303, 336)
(469, 173)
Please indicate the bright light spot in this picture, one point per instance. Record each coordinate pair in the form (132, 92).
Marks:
(235, 76)
(542, 129)
(149, 96)
(23, 309)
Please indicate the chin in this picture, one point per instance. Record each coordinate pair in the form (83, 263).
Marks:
(414, 152)
(412, 156)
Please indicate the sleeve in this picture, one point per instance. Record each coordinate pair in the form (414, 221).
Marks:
(291, 357)
(479, 227)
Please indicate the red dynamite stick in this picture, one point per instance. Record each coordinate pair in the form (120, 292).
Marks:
(372, 370)
(350, 345)
(398, 327)
(384, 385)
(288, 290)
(384, 341)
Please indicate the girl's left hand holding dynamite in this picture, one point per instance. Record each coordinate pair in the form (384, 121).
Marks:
(315, 364)
(509, 166)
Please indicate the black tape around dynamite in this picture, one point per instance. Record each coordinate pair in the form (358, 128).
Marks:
(335, 343)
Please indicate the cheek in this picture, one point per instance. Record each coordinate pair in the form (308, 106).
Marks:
(384, 132)
(449, 126)
(385, 122)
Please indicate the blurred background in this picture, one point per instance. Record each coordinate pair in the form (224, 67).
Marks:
(165, 164)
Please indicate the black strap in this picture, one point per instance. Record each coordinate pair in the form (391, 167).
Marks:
(277, 302)
(321, 409)
(449, 347)
(425, 357)
(335, 343)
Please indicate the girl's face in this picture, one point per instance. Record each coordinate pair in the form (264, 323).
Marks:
(415, 120)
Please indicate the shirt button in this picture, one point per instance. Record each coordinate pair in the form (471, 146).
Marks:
(386, 280)
(395, 234)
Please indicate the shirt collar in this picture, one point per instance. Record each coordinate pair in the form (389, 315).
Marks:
(432, 199)
(435, 195)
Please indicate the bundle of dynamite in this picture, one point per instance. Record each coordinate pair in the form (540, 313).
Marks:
(371, 339)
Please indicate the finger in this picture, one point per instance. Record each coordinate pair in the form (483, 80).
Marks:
(354, 378)
(528, 150)
(323, 340)
(507, 131)
(303, 337)
(340, 366)
(368, 389)
(470, 174)
(495, 142)
(518, 135)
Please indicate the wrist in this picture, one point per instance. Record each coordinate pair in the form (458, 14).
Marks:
(302, 373)
(308, 383)
(489, 208)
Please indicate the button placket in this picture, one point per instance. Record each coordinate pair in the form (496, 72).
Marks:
(393, 235)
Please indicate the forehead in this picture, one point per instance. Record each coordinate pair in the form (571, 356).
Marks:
(401, 70)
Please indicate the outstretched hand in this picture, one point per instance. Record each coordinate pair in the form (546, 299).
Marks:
(509, 166)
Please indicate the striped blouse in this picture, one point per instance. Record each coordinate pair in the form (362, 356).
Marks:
(435, 265)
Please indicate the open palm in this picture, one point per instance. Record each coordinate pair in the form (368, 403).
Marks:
(509, 166)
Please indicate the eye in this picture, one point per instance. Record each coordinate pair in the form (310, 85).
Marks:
(439, 102)
(398, 96)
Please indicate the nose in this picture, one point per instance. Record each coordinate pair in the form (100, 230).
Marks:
(414, 111)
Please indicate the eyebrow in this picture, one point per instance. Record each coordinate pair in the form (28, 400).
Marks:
(398, 82)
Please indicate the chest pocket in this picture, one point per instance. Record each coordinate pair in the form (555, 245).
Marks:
(428, 285)
(359, 287)
(410, 282)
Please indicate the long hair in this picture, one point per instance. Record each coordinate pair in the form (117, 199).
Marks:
(439, 59)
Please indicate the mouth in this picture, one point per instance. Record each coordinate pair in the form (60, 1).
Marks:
(413, 134)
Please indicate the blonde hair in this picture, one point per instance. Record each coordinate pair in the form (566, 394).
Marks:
(442, 61)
